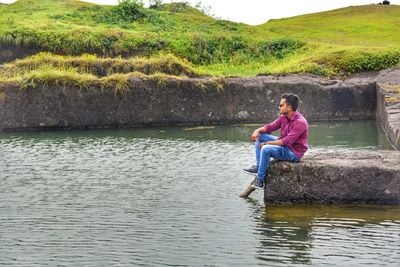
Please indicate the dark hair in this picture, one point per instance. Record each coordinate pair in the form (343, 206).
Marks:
(291, 100)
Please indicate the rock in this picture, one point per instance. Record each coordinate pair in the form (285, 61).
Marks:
(12, 52)
(340, 177)
(388, 104)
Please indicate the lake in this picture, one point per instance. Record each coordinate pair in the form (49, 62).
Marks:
(169, 197)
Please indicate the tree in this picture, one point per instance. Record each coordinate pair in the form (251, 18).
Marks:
(205, 9)
(129, 10)
(154, 4)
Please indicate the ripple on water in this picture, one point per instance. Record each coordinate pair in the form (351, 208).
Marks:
(112, 199)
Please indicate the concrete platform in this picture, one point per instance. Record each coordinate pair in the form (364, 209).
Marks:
(338, 177)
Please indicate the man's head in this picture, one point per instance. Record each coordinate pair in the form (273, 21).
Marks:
(289, 103)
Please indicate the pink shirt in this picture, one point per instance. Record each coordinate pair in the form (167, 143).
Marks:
(294, 132)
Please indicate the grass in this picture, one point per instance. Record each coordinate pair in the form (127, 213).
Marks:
(369, 25)
(176, 39)
(82, 72)
(46, 69)
(168, 64)
(48, 76)
(338, 60)
(324, 60)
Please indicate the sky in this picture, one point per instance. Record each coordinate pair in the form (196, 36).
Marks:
(256, 12)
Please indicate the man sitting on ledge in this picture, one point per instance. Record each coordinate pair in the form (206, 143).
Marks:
(290, 146)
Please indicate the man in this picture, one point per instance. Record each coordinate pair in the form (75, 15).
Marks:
(290, 146)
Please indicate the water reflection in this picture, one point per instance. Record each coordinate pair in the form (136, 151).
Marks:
(353, 134)
(327, 235)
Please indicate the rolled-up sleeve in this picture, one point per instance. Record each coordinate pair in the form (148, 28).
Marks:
(298, 129)
(273, 126)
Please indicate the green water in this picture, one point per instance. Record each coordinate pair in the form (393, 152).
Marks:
(169, 197)
(342, 134)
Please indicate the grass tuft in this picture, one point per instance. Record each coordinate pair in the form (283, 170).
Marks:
(118, 82)
(164, 63)
(47, 76)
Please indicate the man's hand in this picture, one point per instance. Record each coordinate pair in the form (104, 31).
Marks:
(255, 135)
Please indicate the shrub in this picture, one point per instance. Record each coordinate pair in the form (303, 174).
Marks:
(369, 60)
(127, 11)
(281, 48)
(155, 4)
(204, 49)
(358, 60)
(178, 7)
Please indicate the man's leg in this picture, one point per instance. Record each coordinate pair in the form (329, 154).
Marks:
(277, 152)
(261, 138)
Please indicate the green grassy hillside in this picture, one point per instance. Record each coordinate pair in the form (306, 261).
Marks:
(337, 42)
(370, 25)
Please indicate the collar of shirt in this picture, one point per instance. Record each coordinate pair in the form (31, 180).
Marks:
(294, 115)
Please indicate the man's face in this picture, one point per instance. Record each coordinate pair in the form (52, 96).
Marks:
(283, 107)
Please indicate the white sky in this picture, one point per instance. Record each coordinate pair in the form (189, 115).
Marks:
(259, 11)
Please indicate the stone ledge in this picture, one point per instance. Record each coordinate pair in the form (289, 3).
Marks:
(388, 104)
(340, 177)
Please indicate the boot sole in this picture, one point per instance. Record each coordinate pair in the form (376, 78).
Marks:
(249, 173)
(255, 187)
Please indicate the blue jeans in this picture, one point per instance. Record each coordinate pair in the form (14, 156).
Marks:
(264, 154)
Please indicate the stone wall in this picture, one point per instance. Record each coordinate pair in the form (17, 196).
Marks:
(186, 101)
(388, 104)
(12, 52)
(337, 177)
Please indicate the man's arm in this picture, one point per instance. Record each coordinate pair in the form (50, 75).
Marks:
(267, 128)
(276, 142)
(298, 129)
